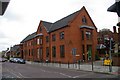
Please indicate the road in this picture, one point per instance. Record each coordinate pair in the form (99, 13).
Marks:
(15, 70)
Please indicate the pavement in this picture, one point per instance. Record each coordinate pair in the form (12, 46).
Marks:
(97, 67)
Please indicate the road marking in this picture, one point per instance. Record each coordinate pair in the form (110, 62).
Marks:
(57, 73)
(13, 73)
(83, 75)
(18, 74)
(21, 75)
(65, 75)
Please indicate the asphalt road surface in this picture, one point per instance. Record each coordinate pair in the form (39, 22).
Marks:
(15, 70)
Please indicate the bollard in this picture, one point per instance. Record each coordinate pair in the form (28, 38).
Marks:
(68, 65)
(79, 64)
(59, 64)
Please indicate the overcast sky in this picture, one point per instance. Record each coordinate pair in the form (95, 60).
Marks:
(23, 16)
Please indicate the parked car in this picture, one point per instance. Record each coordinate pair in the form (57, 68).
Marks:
(21, 61)
(3, 59)
(11, 60)
(17, 60)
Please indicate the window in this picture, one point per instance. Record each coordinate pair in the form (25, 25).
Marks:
(53, 37)
(32, 52)
(62, 51)
(82, 35)
(38, 41)
(53, 51)
(88, 35)
(38, 53)
(47, 38)
(29, 52)
(89, 52)
(84, 20)
(62, 35)
(47, 52)
(29, 43)
(40, 29)
(26, 52)
(32, 43)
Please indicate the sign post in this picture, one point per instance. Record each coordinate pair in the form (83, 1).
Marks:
(110, 67)
(74, 55)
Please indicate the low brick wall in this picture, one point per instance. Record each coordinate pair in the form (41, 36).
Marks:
(116, 61)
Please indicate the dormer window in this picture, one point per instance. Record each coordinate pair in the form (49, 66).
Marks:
(84, 20)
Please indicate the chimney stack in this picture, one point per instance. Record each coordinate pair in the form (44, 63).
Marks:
(114, 29)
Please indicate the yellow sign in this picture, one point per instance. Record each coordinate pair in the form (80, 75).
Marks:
(107, 62)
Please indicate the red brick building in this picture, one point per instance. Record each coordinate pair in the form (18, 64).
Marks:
(57, 42)
(106, 34)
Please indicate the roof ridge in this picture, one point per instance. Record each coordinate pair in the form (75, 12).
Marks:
(47, 22)
(67, 16)
(63, 21)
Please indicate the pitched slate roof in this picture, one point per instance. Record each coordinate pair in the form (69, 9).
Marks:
(62, 22)
(30, 36)
(47, 25)
(15, 48)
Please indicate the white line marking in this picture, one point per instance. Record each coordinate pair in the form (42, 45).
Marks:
(13, 73)
(21, 75)
(65, 75)
(57, 73)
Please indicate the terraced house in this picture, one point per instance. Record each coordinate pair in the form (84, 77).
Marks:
(69, 39)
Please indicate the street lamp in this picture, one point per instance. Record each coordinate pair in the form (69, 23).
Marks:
(3, 6)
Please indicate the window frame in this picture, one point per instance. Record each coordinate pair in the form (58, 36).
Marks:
(38, 41)
(84, 20)
(88, 35)
(53, 37)
(62, 35)
(47, 38)
(47, 52)
(62, 51)
(40, 29)
(54, 51)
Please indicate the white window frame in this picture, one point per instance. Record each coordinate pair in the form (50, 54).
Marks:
(38, 53)
(38, 41)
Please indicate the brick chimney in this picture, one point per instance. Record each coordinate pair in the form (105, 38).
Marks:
(114, 29)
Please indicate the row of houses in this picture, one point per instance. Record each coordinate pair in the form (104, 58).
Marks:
(69, 39)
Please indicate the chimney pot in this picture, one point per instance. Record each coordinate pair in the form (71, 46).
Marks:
(114, 29)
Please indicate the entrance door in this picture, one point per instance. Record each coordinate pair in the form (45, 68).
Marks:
(89, 52)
